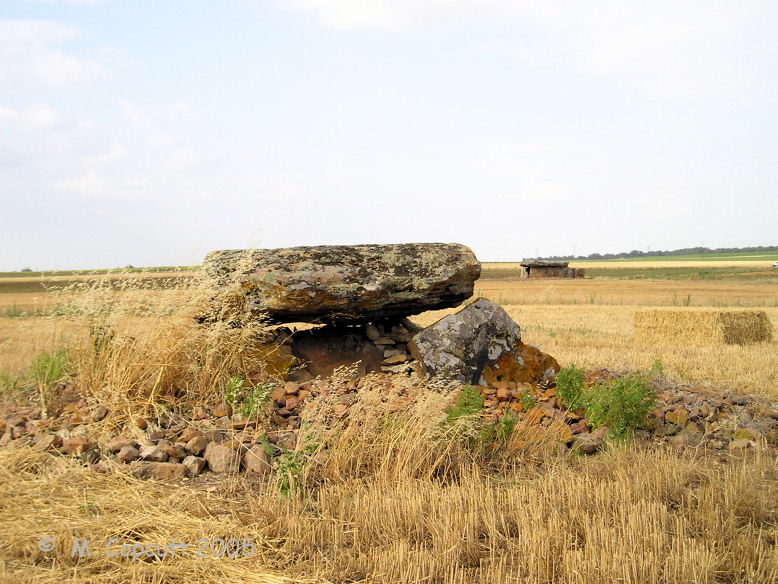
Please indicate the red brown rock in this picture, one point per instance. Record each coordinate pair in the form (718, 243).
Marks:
(75, 446)
(256, 460)
(221, 458)
(127, 453)
(221, 410)
(524, 363)
(194, 465)
(161, 471)
(153, 454)
(196, 445)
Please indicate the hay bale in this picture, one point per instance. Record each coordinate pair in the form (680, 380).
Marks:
(703, 327)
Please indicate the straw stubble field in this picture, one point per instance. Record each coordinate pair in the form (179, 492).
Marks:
(400, 502)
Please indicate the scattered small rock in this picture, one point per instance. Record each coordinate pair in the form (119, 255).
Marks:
(221, 410)
(127, 453)
(221, 458)
(194, 465)
(257, 460)
(196, 445)
(75, 446)
(118, 442)
(161, 471)
(153, 454)
(100, 413)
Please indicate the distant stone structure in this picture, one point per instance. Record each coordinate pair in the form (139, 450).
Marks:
(549, 269)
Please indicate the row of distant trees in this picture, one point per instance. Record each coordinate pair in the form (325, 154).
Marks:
(636, 253)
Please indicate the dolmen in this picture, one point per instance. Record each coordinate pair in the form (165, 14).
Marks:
(360, 298)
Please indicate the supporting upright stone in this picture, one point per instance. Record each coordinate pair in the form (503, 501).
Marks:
(482, 345)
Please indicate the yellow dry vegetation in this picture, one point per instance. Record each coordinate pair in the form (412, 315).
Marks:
(400, 506)
(708, 293)
(700, 326)
(398, 500)
(87, 276)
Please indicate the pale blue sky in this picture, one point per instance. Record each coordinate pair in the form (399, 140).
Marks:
(150, 133)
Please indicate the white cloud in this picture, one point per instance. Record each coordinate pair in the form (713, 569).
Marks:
(116, 153)
(183, 158)
(136, 184)
(88, 183)
(33, 117)
(107, 163)
(687, 51)
(150, 118)
(394, 15)
(27, 54)
(159, 140)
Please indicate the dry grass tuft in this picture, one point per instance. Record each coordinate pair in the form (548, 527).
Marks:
(131, 346)
(703, 327)
(44, 496)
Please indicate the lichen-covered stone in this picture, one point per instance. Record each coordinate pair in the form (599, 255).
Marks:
(481, 345)
(341, 284)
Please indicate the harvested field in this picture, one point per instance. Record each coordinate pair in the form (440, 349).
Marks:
(715, 293)
(703, 327)
(647, 517)
(679, 263)
(401, 502)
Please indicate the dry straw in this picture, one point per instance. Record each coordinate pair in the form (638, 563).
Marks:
(703, 327)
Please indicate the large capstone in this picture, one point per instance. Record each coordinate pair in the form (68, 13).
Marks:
(481, 345)
(343, 284)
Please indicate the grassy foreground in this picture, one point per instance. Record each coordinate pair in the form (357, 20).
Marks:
(627, 515)
(389, 502)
